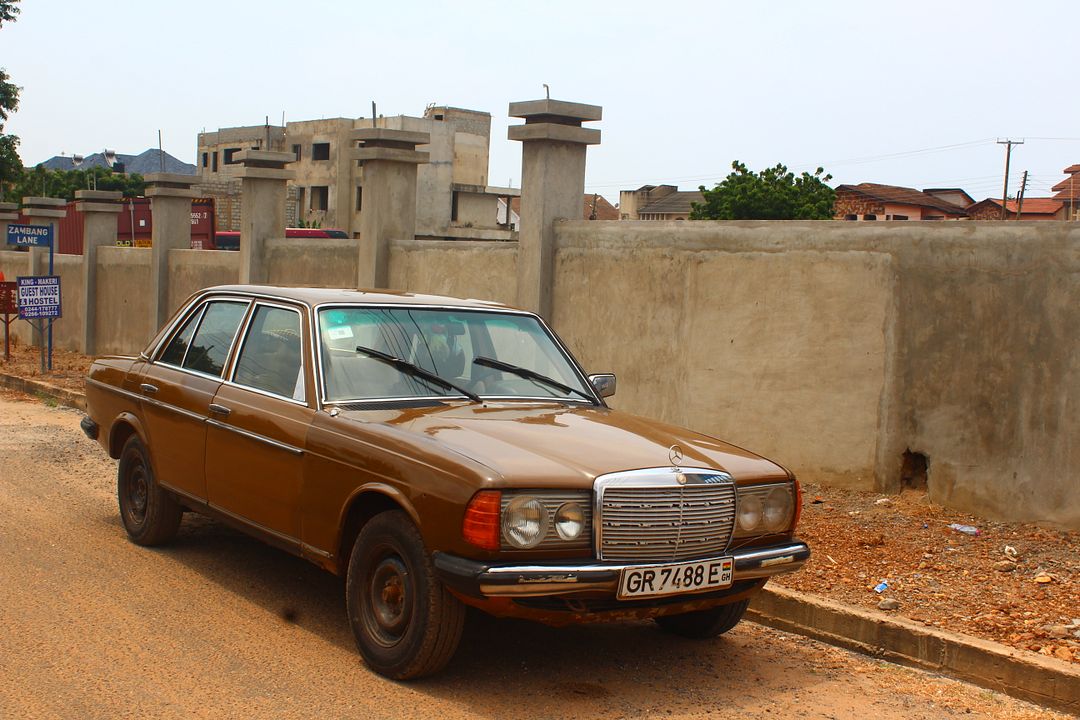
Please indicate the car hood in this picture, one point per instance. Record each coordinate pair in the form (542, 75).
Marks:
(567, 446)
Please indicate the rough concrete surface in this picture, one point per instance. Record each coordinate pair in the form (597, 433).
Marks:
(219, 625)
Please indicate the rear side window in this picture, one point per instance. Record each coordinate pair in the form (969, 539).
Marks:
(270, 359)
(177, 347)
(209, 347)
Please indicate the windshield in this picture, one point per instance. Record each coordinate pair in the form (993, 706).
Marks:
(447, 343)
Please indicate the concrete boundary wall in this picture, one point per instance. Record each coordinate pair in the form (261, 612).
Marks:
(836, 347)
(831, 347)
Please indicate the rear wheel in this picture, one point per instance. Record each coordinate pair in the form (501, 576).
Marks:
(150, 514)
(405, 622)
(704, 623)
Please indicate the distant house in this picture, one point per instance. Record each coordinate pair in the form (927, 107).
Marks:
(1068, 192)
(1032, 209)
(871, 201)
(658, 202)
(148, 161)
(595, 207)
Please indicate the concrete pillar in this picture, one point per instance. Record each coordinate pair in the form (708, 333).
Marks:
(43, 211)
(263, 191)
(9, 213)
(389, 159)
(170, 205)
(552, 187)
(99, 209)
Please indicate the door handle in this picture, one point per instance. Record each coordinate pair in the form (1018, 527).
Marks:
(148, 389)
(219, 409)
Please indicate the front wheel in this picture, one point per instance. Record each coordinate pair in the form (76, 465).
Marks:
(405, 622)
(150, 513)
(704, 624)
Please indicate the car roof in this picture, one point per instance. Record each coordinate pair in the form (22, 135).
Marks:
(321, 296)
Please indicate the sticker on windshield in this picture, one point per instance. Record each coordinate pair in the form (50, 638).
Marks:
(339, 333)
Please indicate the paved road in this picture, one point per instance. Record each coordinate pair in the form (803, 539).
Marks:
(217, 625)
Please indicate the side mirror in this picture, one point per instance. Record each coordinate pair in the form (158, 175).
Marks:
(603, 384)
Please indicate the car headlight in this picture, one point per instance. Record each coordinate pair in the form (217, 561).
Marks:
(524, 522)
(750, 511)
(569, 520)
(776, 513)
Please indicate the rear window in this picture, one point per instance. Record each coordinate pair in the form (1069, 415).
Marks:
(211, 343)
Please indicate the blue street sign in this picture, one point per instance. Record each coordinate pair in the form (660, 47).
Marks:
(27, 235)
(39, 297)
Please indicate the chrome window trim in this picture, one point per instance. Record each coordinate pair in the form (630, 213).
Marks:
(255, 436)
(230, 378)
(316, 334)
(647, 477)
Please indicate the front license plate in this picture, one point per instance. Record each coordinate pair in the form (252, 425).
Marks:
(687, 577)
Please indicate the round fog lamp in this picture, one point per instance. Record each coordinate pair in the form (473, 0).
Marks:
(750, 511)
(524, 522)
(569, 521)
(777, 510)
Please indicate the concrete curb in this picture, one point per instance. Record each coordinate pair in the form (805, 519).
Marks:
(70, 398)
(1019, 673)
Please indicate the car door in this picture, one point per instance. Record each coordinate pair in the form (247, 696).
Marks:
(259, 422)
(177, 387)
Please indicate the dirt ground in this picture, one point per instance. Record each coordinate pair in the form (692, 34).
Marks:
(1015, 583)
(219, 625)
(69, 368)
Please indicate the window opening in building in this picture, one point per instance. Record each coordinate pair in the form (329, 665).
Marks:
(454, 206)
(320, 197)
(229, 153)
(296, 151)
(215, 161)
(320, 151)
(851, 217)
(205, 159)
(869, 217)
(359, 198)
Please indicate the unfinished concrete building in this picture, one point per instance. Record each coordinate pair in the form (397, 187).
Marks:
(453, 198)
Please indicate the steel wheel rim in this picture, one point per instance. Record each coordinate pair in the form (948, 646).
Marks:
(137, 492)
(387, 598)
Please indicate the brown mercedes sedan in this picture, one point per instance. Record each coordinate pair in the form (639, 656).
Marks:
(438, 453)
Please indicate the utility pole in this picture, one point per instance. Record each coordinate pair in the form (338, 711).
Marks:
(1020, 197)
(1008, 155)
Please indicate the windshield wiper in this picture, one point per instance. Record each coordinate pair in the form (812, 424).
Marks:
(416, 371)
(529, 375)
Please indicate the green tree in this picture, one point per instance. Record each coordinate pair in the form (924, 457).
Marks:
(64, 183)
(772, 194)
(10, 164)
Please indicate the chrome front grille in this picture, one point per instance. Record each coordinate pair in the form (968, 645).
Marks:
(649, 516)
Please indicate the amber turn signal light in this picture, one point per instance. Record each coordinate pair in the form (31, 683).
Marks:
(481, 524)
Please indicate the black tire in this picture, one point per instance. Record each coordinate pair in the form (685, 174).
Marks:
(405, 622)
(151, 515)
(704, 624)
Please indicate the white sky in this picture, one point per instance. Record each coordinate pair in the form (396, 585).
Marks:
(686, 87)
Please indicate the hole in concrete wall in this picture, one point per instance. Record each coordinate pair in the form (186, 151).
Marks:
(914, 470)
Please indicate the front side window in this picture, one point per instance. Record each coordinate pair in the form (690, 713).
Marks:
(270, 358)
(209, 347)
(460, 346)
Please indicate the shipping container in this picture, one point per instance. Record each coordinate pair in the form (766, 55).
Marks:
(134, 224)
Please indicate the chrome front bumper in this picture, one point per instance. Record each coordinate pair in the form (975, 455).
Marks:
(490, 580)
